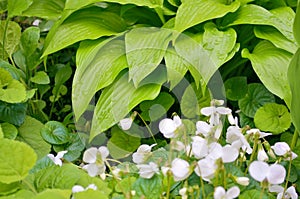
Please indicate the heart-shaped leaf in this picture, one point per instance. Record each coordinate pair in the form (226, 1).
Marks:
(55, 133)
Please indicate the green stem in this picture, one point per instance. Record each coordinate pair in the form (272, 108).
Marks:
(288, 174)
(148, 128)
(294, 140)
(202, 188)
(168, 186)
(253, 153)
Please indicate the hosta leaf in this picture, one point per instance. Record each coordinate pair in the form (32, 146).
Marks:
(280, 18)
(55, 133)
(145, 49)
(272, 117)
(193, 12)
(11, 90)
(150, 4)
(77, 4)
(293, 78)
(256, 97)
(89, 23)
(274, 36)
(236, 88)
(105, 63)
(9, 130)
(271, 65)
(54, 193)
(13, 113)
(48, 9)
(29, 132)
(16, 158)
(296, 27)
(16, 7)
(118, 99)
(10, 42)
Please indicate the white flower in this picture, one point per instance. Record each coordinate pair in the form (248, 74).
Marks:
(36, 22)
(183, 193)
(78, 188)
(168, 126)
(95, 159)
(147, 170)
(262, 155)
(235, 137)
(260, 171)
(142, 153)
(180, 169)
(258, 132)
(126, 123)
(231, 193)
(206, 168)
(289, 193)
(283, 149)
(242, 181)
(199, 147)
(203, 128)
(227, 153)
(215, 112)
(232, 120)
(57, 159)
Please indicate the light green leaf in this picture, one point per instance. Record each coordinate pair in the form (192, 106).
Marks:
(1, 133)
(256, 97)
(89, 23)
(254, 193)
(118, 99)
(40, 77)
(90, 194)
(193, 12)
(6, 189)
(272, 117)
(11, 90)
(22, 194)
(13, 113)
(280, 18)
(77, 4)
(15, 72)
(10, 41)
(121, 144)
(16, 158)
(271, 65)
(54, 193)
(9, 130)
(277, 38)
(29, 132)
(176, 67)
(149, 188)
(3, 6)
(150, 4)
(30, 40)
(145, 49)
(296, 27)
(293, 78)
(98, 66)
(16, 7)
(48, 9)
(236, 88)
(55, 133)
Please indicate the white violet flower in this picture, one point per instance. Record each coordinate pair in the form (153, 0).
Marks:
(283, 149)
(235, 137)
(231, 193)
(180, 169)
(290, 192)
(142, 153)
(258, 132)
(206, 168)
(95, 159)
(168, 126)
(199, 147)
(78, 188)
(215, 112)
(147, 170)
(126, 123)
(57, 159)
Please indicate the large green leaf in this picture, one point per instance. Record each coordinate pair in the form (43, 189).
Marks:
(48, 9)
(296, 27)
(277, 38)
(77, 4)
(89, 23)
(236, 88)
(16, 7)
(30, 40)
(193, 12)
(13, 113)
(54, 193)
(16, 159)
(145, 49)
(293, 78)
(29, 132)
(9, 41)
(149, 188)
(9, 130)
(150, 4)
(22, 194)
(118, 99)
(98, 66)
(55, 133)
(271, 65)
(280, 18)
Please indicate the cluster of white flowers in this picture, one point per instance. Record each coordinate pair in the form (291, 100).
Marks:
(200, 152)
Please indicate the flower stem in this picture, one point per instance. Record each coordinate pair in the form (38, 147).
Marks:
(295, 139)
(168, 186)
(288, 173)
(253, 153)
(151, 133)
(202, 188)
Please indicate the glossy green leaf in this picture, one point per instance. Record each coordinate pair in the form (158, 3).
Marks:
(48, 9)
(293, 78)
(42, 164)
(16, 158)
(98, 66)
(271, 65)
(149, 188)
(193, 100)
(3, 6)
(10, 41)
(280, 18)
(176, 67)
(56, 177)
(245, 120)
(6, 189)
(256, 97)
(236, 88)
(296, 27)
(145, 49)
(29, 132)
(121, 144)
(13, 113)
(75, 147)
(9, 130)
(89, 23)
(77, 4)
(63, 73)
(193, 12)
(274, 36)
(150, 4)
(272, 117)
(40, 77)
(55, 133)
(54, 193)
(118, 99)
(16, 7)
(11, 90)
(30, 40)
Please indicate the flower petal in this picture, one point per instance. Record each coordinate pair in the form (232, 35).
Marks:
(77, 188)
(233, 192)
(93, 169)
(180, 169)
(90, 155)
(223, 110)
(104, 152)
(276, 174)
(61, 154)
(229, 154)
(167, 127)
(281, 148)
(258, 170)
(203, 128)
(126, 123)
(219, 193)
(207, 111)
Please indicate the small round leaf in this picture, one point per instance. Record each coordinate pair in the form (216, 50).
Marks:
(272, 117)
(55, 133)
(9, 130)
(236, 88)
